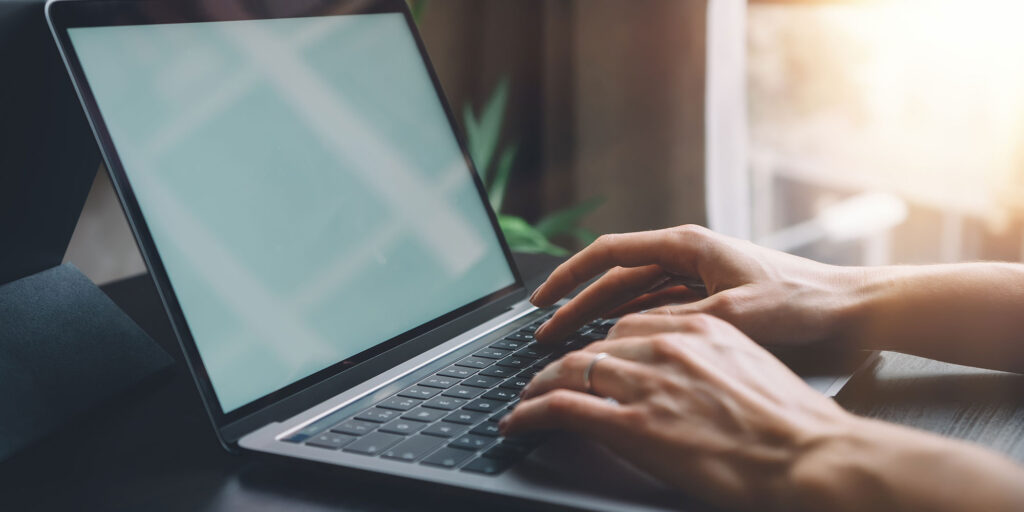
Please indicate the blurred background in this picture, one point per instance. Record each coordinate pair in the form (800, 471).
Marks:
(853, 132)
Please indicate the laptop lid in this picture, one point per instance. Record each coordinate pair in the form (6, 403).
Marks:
(297, 187)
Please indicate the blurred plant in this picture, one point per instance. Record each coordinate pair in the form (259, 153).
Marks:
(483, 134)
(416, 7)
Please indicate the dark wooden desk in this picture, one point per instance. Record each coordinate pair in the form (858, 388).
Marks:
(154, 449)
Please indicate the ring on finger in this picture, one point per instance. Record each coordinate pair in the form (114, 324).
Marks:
(588, 371)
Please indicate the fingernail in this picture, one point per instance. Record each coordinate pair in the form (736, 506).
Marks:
(503, 425)
(534, 296)
(540, 330)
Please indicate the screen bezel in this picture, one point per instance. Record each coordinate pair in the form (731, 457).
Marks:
(65, 14)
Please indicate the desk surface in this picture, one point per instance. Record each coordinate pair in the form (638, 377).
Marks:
(153, 448)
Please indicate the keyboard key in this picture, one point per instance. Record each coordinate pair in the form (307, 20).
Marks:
(542, 362)
(484, 405)
(403, 427)
(445, 403)
(440, 381)
(480, 381)
(463, 392)
(399, 403)
(528, 373)
(458, 372)
(488, 466)
(514, 361)
(487, 428)
(508, 344)
(425, 415)
(443, 429)
(420, 392)
(472, 442)
(527, 440)
(499, 372)
(516, 383)
(533, 352)
(354, 427)
(499, 415)
(569, 345)
(465, 417)
(413, 448)
(502, 395)
(503, 450)
(331, 441)
(377, 415)
(520, 336)
(447, 458)
(474, 362)
(375, 443)
(492, 353)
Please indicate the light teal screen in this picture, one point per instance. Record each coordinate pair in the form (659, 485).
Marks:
(301, 182)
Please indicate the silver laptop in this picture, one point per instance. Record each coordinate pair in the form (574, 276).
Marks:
(322, 244)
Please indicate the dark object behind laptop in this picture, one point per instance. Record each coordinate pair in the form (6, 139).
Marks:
(64, 346)
(48, 157)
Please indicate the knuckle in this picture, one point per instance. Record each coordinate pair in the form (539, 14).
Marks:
(634, 415)
(606, 239)
(629, 321)
(699, 322)
(664, 346)
(693, 231)
(725, 305)
(572, 362)
(561, 403)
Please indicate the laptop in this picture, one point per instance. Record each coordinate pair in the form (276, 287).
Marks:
(323, 245)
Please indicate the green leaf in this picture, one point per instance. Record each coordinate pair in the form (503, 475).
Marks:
(417, 7)
(523, 237)
(484, 132)
(496, 190)
(473, 136)
(564, 221)
(584, 235)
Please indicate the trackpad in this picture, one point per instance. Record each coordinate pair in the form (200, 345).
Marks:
(568, 462)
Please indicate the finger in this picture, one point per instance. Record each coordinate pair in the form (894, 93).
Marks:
(723, 305)
(663, 297)
(641, 349)
(613, 289)
(572, 411)
(610, 377)
(646, 325)
(676, 250)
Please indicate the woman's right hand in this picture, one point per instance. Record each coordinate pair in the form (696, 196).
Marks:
(773, 297)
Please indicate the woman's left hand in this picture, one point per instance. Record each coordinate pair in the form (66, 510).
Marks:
(699, 405)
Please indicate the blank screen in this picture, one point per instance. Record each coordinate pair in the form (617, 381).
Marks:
(301, 182)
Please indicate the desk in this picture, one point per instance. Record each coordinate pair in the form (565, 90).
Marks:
(154, 449)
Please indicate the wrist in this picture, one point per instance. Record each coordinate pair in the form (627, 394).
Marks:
(836, 470)
(866, 299)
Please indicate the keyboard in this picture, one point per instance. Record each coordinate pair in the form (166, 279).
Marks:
(449, 420)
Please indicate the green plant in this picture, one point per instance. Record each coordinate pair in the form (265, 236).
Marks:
(483, 133)
(416, 7)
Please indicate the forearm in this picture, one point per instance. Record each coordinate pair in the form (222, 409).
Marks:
(879, 466)
(971, 314)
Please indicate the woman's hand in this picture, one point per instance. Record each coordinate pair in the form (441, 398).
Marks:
(707, 410)
(702, 408)
(774, 297)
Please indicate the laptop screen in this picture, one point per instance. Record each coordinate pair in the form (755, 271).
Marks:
(302, 185)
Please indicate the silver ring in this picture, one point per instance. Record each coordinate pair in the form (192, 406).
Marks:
(590, 368)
